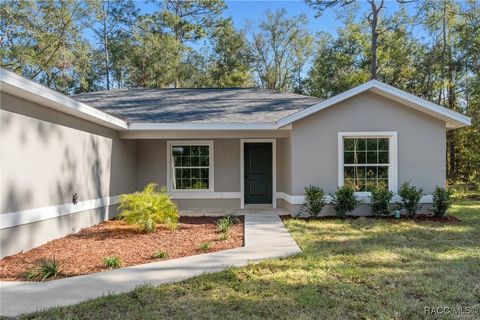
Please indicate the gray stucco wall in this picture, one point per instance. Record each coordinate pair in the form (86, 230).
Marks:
(152, 163)
(47, 156)
(421, 142)
(284, 165)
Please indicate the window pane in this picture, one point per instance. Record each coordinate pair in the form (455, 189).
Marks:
(360, 144)
(204, 150)
(371, 184)
(359, 173)
(382, 172)
(186, 161)
(360, 157)
(177, 161)
(195, 161)
(348, 144)
(360, 185)
(195, 150)
(204, 161)
(372, 157)
(371, 172)
(348, 172)
(383, 183)
(348, 157)
(195, 173)
(350, 182)
(372, 144)
(383, 144)
(204, 173)
(383, 157)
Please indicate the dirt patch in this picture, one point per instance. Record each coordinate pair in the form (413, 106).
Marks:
(418, 217)
(82, 253)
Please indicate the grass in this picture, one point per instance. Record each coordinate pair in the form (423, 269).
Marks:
(112, 262)
(350, 269)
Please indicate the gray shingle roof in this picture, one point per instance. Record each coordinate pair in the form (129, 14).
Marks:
(235, 105)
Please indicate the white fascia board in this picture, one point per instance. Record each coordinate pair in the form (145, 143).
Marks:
(455, 119)
(145, 126)
(19, 86)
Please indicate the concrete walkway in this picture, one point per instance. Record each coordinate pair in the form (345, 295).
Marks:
(265, 237)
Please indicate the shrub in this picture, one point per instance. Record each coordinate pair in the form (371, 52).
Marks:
(44, 269)
(380, 201)
(160, 254)
(225, 224)
(205, 246)
(148, 208)
(442, 201)
(344, 200)
(410, 198)
(112, 262)
(314, 200)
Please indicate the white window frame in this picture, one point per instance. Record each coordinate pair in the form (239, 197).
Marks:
(392, 156)
(170, 164)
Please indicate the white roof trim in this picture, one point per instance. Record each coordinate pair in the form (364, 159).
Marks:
(19, 86)
(452, 119)
(142, 126)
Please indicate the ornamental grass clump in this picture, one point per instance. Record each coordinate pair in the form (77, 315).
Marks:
(148, 208)
(224, 225)
(44, 269)
(314, 201)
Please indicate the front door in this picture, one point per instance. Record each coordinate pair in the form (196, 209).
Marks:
(258, 172)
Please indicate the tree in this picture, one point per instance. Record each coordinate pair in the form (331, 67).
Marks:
(41, 40)
(231, 58)
(373, 19)
(188, 21)
(281, 47)
(110, 17)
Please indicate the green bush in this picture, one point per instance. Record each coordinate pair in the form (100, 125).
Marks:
(410, 198)
(160, 254)
(112, 262)
(314, 201)
(225, 224)
(44, 269)
(205, 246)
(380, 201)
(442, 201)
(344, 200)
(148, 208)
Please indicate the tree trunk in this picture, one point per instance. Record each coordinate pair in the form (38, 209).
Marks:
(373, 21)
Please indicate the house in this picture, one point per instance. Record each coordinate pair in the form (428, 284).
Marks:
(65, 160)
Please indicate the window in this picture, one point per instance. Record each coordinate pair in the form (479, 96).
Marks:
(191, 165)
(367, 160)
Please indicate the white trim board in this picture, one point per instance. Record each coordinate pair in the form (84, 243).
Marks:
(452, 119)
(187, 126)
(26, 89)
(205, 195)
(274, 169)
(299, 200)
(13, 219)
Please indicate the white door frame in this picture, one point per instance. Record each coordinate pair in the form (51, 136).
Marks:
(274, 169)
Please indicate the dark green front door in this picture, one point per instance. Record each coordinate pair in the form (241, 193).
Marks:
(258, 172)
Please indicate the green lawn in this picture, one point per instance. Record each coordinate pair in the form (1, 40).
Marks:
(353, 269)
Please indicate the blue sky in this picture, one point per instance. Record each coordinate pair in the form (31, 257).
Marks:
(242, 10)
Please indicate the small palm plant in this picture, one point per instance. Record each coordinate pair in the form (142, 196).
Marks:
(148, 208)
(224, 225)
(44, 269)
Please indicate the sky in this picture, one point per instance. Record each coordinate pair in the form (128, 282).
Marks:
(243, 10)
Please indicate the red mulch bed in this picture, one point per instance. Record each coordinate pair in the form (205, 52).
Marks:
(418, 217)
(82, 253)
